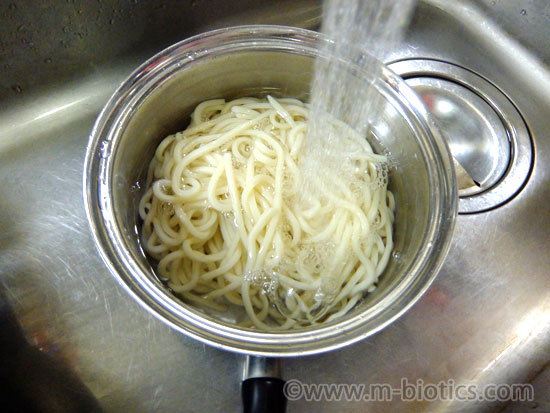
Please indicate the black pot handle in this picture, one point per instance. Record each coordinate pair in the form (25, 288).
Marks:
(262, 386)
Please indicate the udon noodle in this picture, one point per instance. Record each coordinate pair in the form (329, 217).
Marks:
(225, 216)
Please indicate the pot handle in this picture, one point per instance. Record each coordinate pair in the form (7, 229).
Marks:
(262, 386)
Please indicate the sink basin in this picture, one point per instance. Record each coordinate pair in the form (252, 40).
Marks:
(486, 319)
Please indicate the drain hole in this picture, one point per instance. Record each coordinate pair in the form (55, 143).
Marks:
(485, 132)
(475, 134)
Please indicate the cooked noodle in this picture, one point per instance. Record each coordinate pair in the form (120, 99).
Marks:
(226, 218)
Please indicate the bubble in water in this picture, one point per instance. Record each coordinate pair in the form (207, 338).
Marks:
(310, 258)
(286, 231)
(327, 291)
(168, 208)
(523, 12)
(228, 214)
(265, 279)
(236, 163)
(377, 221)
(382, 174)
(319, 296)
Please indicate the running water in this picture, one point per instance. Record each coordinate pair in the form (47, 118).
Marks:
(337, 163)
(364, 33)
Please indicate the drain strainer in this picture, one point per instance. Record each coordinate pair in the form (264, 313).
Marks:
(484, 130)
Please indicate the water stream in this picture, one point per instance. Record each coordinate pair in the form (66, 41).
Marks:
(363, 33)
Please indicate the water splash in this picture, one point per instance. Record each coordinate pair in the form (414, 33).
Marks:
(343, 105)
(363, 33)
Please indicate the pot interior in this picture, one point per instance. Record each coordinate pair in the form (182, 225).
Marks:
(166, 107)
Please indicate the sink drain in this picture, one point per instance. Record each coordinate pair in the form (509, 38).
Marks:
(484, 130)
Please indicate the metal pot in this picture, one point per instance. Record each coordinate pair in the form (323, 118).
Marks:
(156, 100)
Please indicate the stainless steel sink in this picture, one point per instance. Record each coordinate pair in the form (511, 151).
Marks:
(485, 320)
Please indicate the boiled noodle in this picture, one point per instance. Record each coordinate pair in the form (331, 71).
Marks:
(228, 219)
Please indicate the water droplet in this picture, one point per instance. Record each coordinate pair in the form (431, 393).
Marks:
(523, 12)
(136, 187)
(396, 255)
(17, 88)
